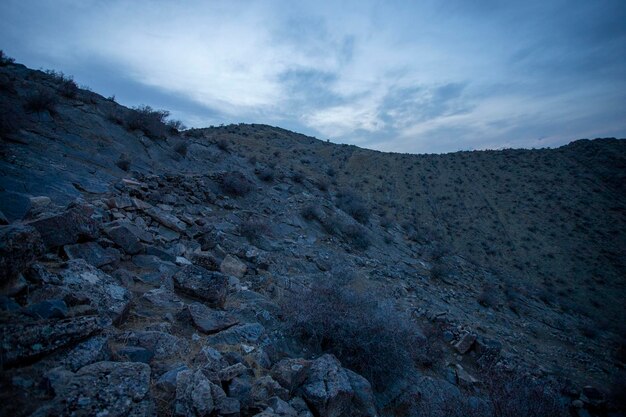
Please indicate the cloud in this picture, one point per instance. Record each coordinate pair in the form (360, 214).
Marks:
(408, 77)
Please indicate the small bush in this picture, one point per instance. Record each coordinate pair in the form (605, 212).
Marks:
(151, 122)
(40, 102)
(123, 162)
(488, 297)
(223, 145)
(236, 184)
(67, 87)
(265, 174)
(311, 212)
(253, 230)
(367, 335)
(175, 126)
(354, 206)
(5, 60)
(357, 236)
(439, 272)
(297, 177)
(182, 148)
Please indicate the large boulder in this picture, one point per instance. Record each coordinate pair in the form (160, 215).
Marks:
(93, 253)
(71, 226)
(20, 245)
(208, 320)
(199, 283)
(125, 238)
(102, 290)
(25, 342)
(327, 388)
(112, 389)
(193, 395)
(233, 266)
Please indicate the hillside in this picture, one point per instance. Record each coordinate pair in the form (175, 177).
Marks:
(249, 270)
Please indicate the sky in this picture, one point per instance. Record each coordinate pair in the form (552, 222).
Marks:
(423, 76)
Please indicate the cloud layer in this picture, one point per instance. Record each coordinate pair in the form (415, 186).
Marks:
(403, 77)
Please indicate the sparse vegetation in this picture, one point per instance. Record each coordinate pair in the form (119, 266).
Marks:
(311, 212)
(236, 184)
(354, 205)
(253, 230)
(148, 120)
(41, 101)
(181, 148)
(123, 162)
(367, 335)
(5, 60)
(265, 174)
(67, 87)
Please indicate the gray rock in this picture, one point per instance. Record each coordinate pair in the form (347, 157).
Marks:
(48, 309)
(94, 349)
(3, 219)
(163, 345)
(206, 285)
(363, 402)
(93, 253)
(165, 299)
(193, 395)
(244, 333)
(265, 388)
(291, 373)
(466, 343)
(134, 354)
(167, 381)
(112, 389)
(327, 388)
(19, 247)
(166, 219)
(210, 321)
(124, 237)
(67, 227)
(119, 202)
(233, 266)
(25, 342)
(104, 293)
(282, 408)
(232, 371)
(8, 304)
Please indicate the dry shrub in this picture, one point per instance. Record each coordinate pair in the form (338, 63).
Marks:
(236, 184)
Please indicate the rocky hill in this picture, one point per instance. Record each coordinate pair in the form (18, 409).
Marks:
(246, 270)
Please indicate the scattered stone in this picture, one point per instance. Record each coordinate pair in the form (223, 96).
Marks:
(24, 342)
(181, 260)
(92, 350)
(291, 373)
(119, 202)
(466, 343)
(165, 299)
(206, 285)
(39, 202)
(233, 266)
(93, 253)
(327, 387)
(208, 320)
(230, 372)
(124, 237)
(167, 381)
(244, 333)
(19, 247)
(67, 227)
(111, 389)
(48, 309)
(166, 219)
(163, 345)
(193, 394)
(265, 388)
(103, 292)
(134, 354)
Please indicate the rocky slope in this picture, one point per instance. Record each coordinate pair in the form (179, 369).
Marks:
(148, 271)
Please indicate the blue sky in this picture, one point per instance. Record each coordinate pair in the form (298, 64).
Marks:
(415, 76)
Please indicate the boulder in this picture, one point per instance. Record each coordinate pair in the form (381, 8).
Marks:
(68, 227)
(363, 402)
(48, 309)
(112, 389)
(92, 350)
(327, 388)
(233, 266)
(25, 342)
(208, 320)
(124, 237)
(162, 345)
(193, 395)
(165, 299)
(265, 388)
(93, 253)
(103, 292)
(199, 283)
(166, 219)
(167, 381)
(290, 373)
(20, 246)
(466, 343)
(243, 333)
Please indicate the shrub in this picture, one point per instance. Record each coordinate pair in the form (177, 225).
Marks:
(223, 145)
(367, 335)
(151, 122)
(297, 177)
(235, 184)
(40, 102)
(357, 236)
(181, 148)
(253, 230)
(175, 126)
(311, 212)
(488, 297)
(5, 60)
(123, 162)
(66, 85)
(265, 174)
(354, 206)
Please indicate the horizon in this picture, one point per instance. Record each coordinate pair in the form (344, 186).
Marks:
(400, 78)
